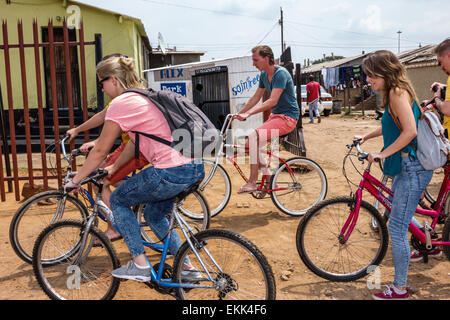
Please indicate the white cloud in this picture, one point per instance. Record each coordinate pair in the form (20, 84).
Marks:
(341, 6)
(372, 22)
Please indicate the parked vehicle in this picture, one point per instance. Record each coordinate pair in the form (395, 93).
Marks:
(324, 107)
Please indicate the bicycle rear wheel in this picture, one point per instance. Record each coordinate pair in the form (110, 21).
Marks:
(63, 275)
(305, 182)
(194, 202)
(38, 212)
(432, 190)
(446, 238)
(238, 268)
(319, 234)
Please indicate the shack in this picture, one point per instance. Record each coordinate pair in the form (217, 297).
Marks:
(218, 87)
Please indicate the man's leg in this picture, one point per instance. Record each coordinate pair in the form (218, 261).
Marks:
(311, 115)
(316, 110)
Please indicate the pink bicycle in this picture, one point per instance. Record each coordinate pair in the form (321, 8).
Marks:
(344, 238)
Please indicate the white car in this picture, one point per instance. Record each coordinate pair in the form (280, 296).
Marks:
(325, 106)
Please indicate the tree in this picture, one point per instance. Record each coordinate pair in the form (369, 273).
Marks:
(327, 58)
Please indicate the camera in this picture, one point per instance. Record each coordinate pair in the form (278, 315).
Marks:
(443, 89)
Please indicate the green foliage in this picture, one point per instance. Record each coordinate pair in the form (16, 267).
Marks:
(328, 58)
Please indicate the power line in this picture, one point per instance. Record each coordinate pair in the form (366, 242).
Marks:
(262, 18)
(267, 34)
(206, 10)
(347, 31)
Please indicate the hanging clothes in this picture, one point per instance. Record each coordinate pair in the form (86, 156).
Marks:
(324, 77)
(333, 77)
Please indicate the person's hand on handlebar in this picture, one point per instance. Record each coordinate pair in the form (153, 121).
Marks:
(241, 116)
(87, 146)
(375, 155)
(360, 138)
(72, 133)
(111, 170)
(71, 187)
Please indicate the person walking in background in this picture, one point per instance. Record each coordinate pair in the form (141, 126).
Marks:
(399, 130)
(313, 97)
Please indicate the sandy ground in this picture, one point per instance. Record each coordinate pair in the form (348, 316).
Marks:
(272, 231)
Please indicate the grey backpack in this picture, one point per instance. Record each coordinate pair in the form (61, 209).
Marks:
(193, 133)
(433, 148)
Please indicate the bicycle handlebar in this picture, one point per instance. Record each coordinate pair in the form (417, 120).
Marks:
(363, 155)
(74, 153)
(100, 174)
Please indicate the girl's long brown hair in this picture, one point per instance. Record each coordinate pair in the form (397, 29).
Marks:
(385, 64)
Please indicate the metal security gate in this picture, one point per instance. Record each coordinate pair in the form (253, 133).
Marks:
(210, 93)
(63, 47)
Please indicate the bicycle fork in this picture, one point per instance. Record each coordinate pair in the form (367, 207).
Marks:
(349, 225)
(196, 246)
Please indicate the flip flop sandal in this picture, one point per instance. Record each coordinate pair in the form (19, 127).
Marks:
(247, 189)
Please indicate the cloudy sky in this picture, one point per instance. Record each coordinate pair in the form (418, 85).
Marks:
(227, 28)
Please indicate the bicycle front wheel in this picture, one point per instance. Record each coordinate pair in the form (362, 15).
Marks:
(218, 190)
(232, 267)
(321, 249)
(38, 212)
(193, 209)
(67, 271)
(305, 185)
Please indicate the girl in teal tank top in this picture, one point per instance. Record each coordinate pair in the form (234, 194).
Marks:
(390, 130)
(388, 77)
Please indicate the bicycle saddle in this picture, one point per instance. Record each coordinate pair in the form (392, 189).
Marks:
(187, 192)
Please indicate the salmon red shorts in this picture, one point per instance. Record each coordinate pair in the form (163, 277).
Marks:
(276, 125)
(127, 168)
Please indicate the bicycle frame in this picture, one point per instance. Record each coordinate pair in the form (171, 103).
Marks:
(231, 159)
(156, 275)
(376, 189)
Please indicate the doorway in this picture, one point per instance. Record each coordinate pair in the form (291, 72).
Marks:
(60, 68)
(210, 93)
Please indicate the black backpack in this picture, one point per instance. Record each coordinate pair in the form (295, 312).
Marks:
(193, 133)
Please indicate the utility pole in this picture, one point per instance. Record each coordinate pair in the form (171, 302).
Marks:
(399, 40)
(281, 24)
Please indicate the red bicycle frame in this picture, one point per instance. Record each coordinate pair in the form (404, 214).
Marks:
(376, 189)
(264, 177)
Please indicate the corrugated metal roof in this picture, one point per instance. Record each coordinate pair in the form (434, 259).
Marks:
(331, 64)
(415, 56)
(419, 55)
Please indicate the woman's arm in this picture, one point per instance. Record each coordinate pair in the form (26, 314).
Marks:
(126, 155)
(400, 104)
(110, 132)
(94, 122)
(373, 134)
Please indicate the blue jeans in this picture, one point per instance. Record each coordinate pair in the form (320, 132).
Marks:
(314, 106)
(408, 186)
(157, 188)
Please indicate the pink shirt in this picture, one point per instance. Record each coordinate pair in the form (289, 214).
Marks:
(134, 112)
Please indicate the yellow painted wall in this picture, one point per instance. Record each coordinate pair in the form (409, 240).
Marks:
(118, 36)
